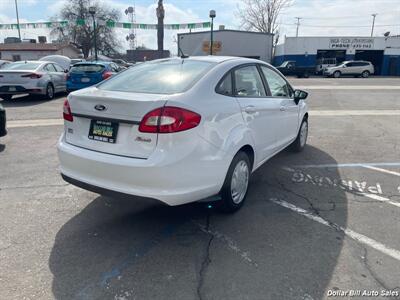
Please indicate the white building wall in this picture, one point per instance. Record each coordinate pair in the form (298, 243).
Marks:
(233, 43)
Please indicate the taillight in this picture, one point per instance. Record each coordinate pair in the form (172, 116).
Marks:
(32, 75)
(107, 74)
(67, 112)
(169, 119)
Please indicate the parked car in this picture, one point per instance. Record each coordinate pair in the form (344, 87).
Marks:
(76, 60)
(32, 77)
(290, 68)
(181, 130)
(3, 63)
(122, 63)
(61, 60)
(352, 68)
(85, 74)
(3, 127)
(324, 63)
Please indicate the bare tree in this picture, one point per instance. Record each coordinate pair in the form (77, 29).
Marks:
(262, 15)
(82, 35)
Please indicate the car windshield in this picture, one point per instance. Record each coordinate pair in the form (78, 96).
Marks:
(87, 68)
(22, 66)
(161, 77)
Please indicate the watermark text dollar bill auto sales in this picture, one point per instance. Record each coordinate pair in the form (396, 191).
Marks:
(363, 293)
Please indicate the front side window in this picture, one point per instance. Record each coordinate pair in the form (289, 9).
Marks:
(162, 77)
(248, 82)
(225, 86)
(277, 85)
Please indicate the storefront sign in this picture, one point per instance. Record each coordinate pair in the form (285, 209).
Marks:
(217, 46)
(351, 43)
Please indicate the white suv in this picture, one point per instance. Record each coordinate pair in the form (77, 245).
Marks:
(181, 130)
(353, 68)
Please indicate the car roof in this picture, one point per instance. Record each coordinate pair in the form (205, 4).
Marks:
(212, 58)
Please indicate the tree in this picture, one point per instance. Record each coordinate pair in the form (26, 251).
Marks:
(262, 15)
(82, 35)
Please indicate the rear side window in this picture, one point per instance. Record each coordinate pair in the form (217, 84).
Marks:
(225, 86)
(277, 85)
(248, 82)
(161, 77)
(87, 68)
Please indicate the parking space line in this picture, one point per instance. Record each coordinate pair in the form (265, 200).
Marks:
(362, 112)
(380, 198)
(383, 170)
(345, 165)
(348, 87)
(348, 232)
(34, 123)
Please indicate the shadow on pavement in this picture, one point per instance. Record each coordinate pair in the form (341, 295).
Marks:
(134, 249)
(2, 147)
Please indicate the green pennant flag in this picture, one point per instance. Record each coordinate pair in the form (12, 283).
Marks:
(80, 22)
(127, 25)
(192, 25)
(175, 26)
(142, 26)
(110, 23)
(206, 24)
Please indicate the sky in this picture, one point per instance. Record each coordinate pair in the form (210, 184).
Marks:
(319, 17)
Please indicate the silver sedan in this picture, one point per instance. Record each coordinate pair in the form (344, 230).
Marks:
(32, 77)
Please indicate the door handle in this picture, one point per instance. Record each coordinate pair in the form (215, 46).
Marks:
(282, 108)
(250, 109)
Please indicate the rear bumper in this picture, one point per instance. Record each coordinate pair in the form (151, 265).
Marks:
(163, 176)
(71, 86)
(3, 127)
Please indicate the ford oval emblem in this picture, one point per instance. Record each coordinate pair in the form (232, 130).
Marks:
(100, 107)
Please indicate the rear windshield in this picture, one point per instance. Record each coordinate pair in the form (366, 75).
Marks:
(87, 68)
(161, 77)
(22, 66)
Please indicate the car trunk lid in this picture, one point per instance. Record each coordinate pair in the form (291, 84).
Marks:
(117, 115)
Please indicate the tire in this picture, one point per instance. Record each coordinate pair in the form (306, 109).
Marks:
(6, 97)
(234, 191)
(50, 91)
(365, 74)
(336, 74)
(301, 140)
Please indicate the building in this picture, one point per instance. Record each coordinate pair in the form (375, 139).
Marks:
(34, 51)
(145, 55)
(227, 42)
(383, 52)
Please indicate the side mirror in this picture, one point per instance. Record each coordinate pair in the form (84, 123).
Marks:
(299, 95)
(344, 66)
(66, 71)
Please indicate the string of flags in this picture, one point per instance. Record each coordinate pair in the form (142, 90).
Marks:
(109, 23)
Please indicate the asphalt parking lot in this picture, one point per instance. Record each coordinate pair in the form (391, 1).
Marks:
(320, 222)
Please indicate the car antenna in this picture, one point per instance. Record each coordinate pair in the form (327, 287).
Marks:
(183, 55)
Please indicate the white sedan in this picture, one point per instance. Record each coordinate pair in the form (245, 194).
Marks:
(44, 78)
(181, 130)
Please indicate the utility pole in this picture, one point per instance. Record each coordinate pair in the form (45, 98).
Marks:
(298, 25)
(160, 28)
(373, 24)
(16, 10)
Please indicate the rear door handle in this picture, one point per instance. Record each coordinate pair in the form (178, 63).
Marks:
(250, 109)
(282, 108)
